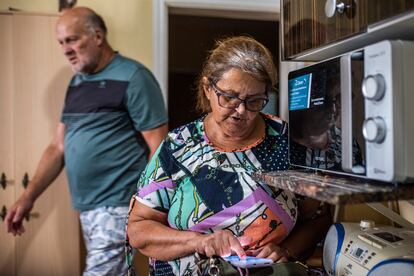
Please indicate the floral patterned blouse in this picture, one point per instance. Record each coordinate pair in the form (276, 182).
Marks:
(204, 189)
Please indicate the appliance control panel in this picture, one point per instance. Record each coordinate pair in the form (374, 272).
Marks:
(362, 248)
(377, 89)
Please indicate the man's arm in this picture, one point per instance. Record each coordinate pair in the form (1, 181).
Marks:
(49, 167)
(154, 137)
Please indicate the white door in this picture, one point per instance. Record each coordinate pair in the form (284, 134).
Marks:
(51, 244)
(7, 252)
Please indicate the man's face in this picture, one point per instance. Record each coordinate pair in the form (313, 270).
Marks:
(79, 45)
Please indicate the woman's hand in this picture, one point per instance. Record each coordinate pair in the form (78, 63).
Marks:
(270, 251)
(221, 243)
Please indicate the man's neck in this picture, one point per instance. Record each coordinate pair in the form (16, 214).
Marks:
(107, 56)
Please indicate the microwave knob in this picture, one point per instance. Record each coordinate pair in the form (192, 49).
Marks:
(373, 87)
(374, 130)
(366, 223)
(333, 6)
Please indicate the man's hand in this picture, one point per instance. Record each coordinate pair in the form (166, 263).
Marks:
(16, 214)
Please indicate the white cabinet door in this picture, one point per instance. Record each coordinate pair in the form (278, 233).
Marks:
(41, 74)
(7, 252)
(51, 244)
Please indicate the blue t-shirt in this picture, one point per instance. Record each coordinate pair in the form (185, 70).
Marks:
(103, 114)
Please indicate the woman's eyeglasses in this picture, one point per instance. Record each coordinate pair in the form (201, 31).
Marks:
(232, 102)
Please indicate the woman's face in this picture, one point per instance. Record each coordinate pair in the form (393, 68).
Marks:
(236, 122)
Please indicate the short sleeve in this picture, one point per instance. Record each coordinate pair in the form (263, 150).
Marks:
(155, 186)
(144, 101)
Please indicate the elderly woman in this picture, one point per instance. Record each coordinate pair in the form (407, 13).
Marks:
(197, 196)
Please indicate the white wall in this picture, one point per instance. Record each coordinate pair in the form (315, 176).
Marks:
(129, 22)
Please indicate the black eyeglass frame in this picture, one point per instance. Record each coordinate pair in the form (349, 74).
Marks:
(245, 101)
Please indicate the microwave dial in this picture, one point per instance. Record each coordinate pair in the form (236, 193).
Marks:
(373, 87)
(374, 129)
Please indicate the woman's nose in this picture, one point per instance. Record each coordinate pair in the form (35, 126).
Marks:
(241, 108)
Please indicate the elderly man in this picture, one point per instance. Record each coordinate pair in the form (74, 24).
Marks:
(113, 120)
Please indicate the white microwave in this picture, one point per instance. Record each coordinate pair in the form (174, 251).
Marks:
(354, 114)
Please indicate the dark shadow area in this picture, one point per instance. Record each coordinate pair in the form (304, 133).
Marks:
(190, 39)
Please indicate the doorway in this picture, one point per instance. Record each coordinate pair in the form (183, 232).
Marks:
(189, 40)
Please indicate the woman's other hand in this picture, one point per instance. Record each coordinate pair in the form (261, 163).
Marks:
(221, 243)
(271, 251)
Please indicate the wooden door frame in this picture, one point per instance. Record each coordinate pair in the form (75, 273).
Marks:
(241, 9)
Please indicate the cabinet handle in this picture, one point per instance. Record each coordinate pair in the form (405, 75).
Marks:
(3, 181)
(3, 213)
(333, 6)
(25, 180)
(31, 215)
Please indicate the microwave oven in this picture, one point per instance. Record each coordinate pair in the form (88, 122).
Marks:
(354, 114)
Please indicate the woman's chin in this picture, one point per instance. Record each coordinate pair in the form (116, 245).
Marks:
(237, 131)
(236, 122)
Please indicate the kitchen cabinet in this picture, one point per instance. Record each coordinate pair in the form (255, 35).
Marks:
(310, 24)
(33, 79)
(7, 243)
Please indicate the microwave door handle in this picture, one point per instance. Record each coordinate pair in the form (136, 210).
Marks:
(346, 113)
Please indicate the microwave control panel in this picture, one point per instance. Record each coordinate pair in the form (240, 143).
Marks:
(386, 89)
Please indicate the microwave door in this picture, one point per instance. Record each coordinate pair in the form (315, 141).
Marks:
(348, 143)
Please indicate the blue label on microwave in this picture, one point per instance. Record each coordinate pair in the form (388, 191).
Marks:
(299, 92)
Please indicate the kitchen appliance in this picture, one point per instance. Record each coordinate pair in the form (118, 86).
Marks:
(364, 249)
(352, 114)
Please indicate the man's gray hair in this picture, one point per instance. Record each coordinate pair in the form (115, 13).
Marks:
(94, 21)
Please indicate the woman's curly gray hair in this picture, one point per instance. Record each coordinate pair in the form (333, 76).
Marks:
(240, 52)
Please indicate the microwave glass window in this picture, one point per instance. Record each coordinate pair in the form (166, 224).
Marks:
(299, 91)
(315, 116)
(308, 91)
